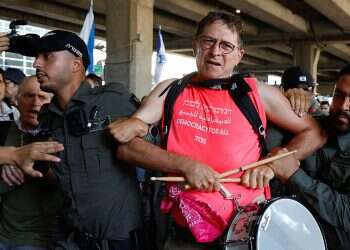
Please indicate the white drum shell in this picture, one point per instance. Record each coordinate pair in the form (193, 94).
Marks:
(285, 224)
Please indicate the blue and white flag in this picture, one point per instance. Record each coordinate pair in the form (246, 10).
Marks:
(87, 33)
(161, 58)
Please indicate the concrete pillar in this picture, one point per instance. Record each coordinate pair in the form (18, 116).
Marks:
(306, 56)
(129, 25)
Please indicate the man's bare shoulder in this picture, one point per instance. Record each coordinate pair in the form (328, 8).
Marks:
(161, 87)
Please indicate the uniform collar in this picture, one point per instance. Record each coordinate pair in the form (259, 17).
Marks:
(82, 95)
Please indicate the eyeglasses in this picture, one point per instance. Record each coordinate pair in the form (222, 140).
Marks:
(207, 42)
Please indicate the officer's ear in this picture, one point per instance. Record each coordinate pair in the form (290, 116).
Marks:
(77, 65)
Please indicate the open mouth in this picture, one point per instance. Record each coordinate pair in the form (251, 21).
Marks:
(33, 112)
(215, 63)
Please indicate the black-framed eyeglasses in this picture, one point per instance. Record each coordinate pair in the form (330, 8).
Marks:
(207, 42)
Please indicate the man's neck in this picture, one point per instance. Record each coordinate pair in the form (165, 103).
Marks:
(65, 94)
(26, 126)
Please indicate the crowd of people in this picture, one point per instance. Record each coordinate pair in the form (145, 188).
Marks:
(70, 146)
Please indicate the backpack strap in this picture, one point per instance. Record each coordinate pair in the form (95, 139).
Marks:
(239, 92)
(175, 88)
(11, 116)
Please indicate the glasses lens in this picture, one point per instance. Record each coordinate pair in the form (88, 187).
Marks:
(206, 42)
(227, 47)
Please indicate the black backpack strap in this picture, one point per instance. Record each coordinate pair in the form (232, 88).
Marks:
(239, 92)
(11, 117)
(175, 88)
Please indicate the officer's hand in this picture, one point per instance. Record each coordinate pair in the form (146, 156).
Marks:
(4, 41)
(126, 129)
(200, 176)
(12, 175)
(26, 155)
(299, 99)
(284, 167)
(258, 177)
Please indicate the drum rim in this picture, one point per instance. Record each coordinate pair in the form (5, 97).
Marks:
(266, 204)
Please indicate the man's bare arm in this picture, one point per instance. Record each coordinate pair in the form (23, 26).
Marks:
(150, 112)
(308, 135)
(142, 153)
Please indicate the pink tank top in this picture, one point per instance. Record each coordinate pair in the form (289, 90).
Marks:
(209, 127)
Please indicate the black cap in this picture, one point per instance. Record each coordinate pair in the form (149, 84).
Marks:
(14, 75)
(295, 77)
(57, 40)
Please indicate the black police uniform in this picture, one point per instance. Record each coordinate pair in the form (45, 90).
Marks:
(323, 183)
(102, 193)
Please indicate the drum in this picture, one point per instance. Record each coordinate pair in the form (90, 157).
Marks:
(278, 224)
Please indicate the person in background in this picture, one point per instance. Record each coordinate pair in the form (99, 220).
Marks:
(94, 80)
(297, 78)
(324, 106)
(26, 155)
(29, 206)
(13, 77)
(7, 112)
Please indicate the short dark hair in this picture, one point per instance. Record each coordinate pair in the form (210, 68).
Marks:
(233, 22)
(343, 71)
(97, 80)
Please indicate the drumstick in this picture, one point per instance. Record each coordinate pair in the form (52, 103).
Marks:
(182, 179)
(256, 164)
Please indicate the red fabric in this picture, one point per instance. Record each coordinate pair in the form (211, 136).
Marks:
(209, 127)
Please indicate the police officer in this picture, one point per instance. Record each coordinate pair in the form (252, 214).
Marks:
(323, 181)
(102, 202)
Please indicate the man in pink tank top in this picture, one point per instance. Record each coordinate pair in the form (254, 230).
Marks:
(209, 135)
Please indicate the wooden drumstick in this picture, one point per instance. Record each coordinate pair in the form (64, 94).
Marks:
(182, 179)
(256, 164)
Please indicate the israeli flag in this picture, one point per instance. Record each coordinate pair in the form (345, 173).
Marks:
(161, 58)
(87, 33)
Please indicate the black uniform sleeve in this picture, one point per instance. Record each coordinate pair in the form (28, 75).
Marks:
(332, 206)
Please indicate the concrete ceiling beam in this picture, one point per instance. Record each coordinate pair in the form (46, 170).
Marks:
(44, 21)
(51, 10)
(196, 10)
(337, 11)
(99, 5)
(271, 12)
(268, 55)
(178, 27)
(289, 38)
(282, 67)
(341, 51)
(281, 17)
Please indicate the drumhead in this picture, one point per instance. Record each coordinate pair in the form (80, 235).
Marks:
(287, 224)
